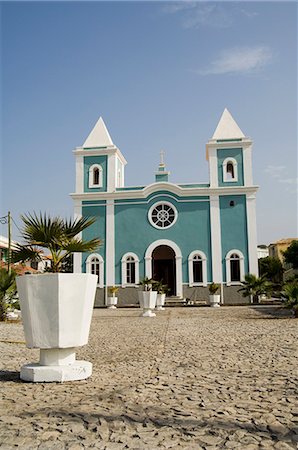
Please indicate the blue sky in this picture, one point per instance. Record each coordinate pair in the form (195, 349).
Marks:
(160, 74)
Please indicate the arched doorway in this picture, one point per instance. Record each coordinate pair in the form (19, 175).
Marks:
(178, 286)
(164, 267)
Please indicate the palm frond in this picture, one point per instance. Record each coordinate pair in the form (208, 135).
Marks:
(23, 253)
(73, 227)
(41, 230)
(76, 245)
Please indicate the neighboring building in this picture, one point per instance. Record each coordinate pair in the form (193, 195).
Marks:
(263, 251)
(37, 266)
(277, 250)
(4, 248)
(188, 235)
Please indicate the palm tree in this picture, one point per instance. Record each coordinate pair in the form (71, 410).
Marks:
(253, 287)
(290, 294)
(7, 290)
(57, 236)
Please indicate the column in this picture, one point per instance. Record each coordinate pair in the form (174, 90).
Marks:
(252, 234)
(215, 239)
(110, 243)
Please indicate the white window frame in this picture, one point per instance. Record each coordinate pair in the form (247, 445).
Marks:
(91, 176)
(162, 203)
(123, 270)
(101, 267)
(228, 267)
(190, 268)
(226, 177)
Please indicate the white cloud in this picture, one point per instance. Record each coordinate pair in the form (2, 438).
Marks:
(175, 7)
(289, 180)
(195, 14)
(239, 60)
(275, 171)
(209, 14)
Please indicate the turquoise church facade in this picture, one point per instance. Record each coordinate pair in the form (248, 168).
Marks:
(187, 235)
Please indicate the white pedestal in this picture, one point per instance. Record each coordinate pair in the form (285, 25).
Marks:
(56, 365)
(148, 313)
(214, 300)
(160, 301)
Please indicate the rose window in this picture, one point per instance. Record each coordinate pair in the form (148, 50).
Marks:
(162, 215)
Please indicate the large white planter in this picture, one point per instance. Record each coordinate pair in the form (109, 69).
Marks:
(112, 302)
(147, 301)
(214, 300)
(56, 313)
(160, 301)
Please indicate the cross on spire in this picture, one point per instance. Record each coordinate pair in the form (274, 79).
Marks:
(162, 160)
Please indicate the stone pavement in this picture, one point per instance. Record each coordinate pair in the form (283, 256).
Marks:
(191, 378)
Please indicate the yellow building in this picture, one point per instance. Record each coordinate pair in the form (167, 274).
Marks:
(277, 249)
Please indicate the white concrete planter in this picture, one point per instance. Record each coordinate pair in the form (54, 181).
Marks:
(214, 300)
(112, 302)
(160, 301)
(56, 312)
(147, 303)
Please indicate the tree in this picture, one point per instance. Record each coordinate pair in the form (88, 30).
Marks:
(7, 290)
(56, 235)
(291, 254)
(253, 287)
(271, 268)
(290, 294)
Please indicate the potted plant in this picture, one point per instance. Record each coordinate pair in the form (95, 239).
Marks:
(162, 290)
(56, 306)
(112, 299)
(147, 297)
(214, 297)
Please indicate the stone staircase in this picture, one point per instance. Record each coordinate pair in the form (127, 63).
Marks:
(175, 301)
(178, 301)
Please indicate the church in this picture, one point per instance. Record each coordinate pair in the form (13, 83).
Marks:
(187, 235)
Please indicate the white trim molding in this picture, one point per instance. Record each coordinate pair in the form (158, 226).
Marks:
(247, 166)
(252, 234)
(79, 174)
(89, 261)
(178, 259)
(91, 171)
(123, 269)
(112, 173)
(213, 169)
(203, 259)
(228, 267)
(225, 176)
(170, 188)
(216, 239)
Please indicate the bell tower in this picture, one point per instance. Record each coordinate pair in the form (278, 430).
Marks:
(99, 163)
(229, 154)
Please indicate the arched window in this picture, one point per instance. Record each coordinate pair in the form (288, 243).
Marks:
(197, 269)
(234, 267)
(95, 265)
(95, 176)
(230, 171)
(130, 269)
